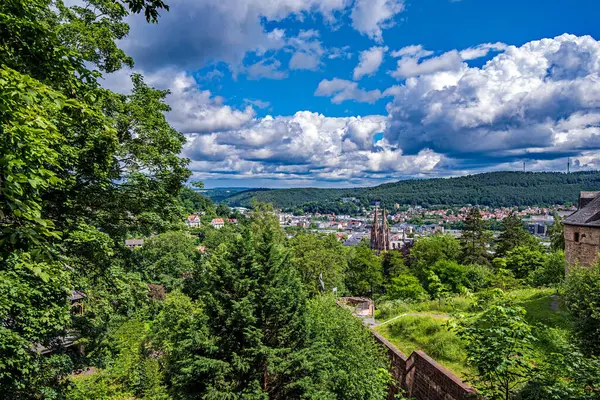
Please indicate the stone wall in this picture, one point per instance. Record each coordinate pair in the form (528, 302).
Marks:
(419, 376)
(585, 251)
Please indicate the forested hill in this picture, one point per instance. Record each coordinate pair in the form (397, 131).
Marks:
(491, 189)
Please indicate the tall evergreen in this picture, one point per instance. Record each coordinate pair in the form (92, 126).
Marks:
(475, 239)
(512, 235)
(256, 305)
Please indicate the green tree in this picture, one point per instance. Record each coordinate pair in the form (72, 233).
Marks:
(180, 331)
(552, 272)
(313, 254)
(478, 277)
(222, 210)
(192, 201)
(499, 347)
(78, 162)
(256, 309)
(429, 250)
(437, 289)
(166, 257)
(475, 239)
(513, 235)
(364, 275)
(129, 373)
(557, 233)
(342, 361)
(582, 297)
(405, 287)
(524, 260)
(451, 274)
(393, 264)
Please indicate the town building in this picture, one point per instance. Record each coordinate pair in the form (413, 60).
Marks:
(582, 231)
(193, 221)
(133, 243)
(380, 234)
(217, 223)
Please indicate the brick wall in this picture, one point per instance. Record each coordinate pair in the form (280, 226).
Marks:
(423, 378)
(585, 251)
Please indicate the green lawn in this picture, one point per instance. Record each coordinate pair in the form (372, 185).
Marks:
(431, 335)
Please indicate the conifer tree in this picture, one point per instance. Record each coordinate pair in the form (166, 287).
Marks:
(474, 239)
(513, 235)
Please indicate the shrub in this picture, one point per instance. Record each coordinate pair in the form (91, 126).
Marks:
(582, 298)
(406, 287)
(551, 272)
(451, 274)
(478, 277)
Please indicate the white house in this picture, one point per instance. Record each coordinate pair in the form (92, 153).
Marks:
(193, 221)
(218, 223)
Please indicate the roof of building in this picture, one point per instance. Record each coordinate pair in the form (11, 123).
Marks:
(133, 242)
(586, 215)
(76, 295)
(218, 221)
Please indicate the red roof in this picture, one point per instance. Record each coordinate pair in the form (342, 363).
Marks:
(218, 221)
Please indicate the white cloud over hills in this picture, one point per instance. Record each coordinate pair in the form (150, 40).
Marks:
(539, 102)
(447, 115)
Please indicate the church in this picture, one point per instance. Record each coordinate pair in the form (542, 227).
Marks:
(380, 233)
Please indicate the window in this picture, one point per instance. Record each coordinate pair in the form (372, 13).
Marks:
(577, 236)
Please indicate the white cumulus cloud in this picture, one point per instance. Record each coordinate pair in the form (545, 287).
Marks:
(341, 90)
(371, 17)
(369, 62)
(540, 101)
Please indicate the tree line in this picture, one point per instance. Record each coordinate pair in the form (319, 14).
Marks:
(493, 189)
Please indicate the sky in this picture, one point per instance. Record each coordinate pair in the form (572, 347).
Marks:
(341, 93)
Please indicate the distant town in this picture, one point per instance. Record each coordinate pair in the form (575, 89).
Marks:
(406, 223)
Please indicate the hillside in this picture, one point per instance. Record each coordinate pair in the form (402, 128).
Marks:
(491, 189)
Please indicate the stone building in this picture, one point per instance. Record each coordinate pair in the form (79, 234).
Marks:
(582, 231)
(380, 234)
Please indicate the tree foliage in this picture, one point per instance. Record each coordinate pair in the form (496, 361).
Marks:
(492, 189)
(498, 343)
(475, 239)
(582, 297)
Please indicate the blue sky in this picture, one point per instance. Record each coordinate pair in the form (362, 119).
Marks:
(336, 93)
(438, 25)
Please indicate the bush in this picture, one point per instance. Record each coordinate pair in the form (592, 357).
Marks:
(582, 298)
(523, 260)
(451, 274)
(478, 277)
(406, 287)
(551, 272)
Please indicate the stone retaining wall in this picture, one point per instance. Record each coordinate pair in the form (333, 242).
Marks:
(419, 376)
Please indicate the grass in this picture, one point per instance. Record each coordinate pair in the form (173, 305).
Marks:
(426, 333)
(390, 309)
(430, 335)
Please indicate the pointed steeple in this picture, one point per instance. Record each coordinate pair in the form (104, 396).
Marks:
(375, 231)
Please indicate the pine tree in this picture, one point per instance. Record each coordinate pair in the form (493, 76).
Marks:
(512, 235)
(256, 308)
(475, 239)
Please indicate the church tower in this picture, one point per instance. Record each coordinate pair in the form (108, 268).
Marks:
(380, 234)
(375, 231)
